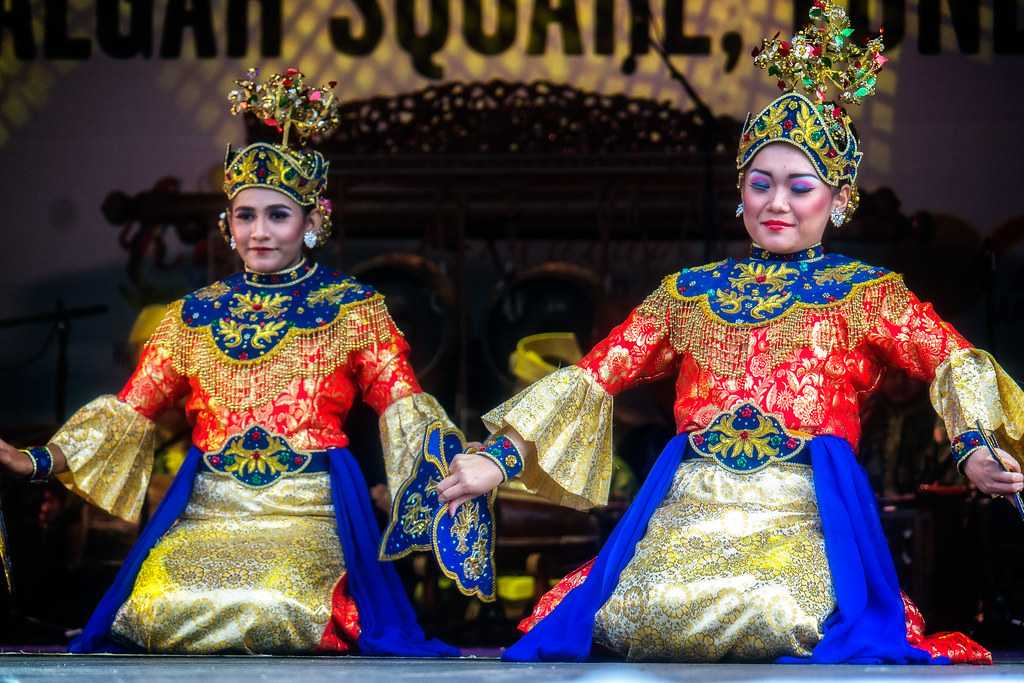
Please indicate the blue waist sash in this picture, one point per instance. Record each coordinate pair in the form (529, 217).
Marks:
(387, 621)
(868, 625)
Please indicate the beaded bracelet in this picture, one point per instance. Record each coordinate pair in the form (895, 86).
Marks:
(503, 452)
(963, 445)
(42, 463)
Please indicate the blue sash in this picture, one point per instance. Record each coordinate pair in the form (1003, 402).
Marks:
(387, 620)
(868, 625)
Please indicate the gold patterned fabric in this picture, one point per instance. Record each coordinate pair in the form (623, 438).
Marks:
(732, 566)
(243, 570)
(971, 388)
(567, 416)
(109, 450)
(402, 427)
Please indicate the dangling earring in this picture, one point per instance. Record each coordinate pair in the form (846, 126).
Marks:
(739, 209)
(225, 231)
(838, 217)
(309, 239)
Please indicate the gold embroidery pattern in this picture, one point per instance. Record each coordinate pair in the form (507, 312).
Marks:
(567, 416)
(300, 176)
(732, 566)
(808, 135)
(466, 519)
(474, 565)
(242, 571)
(301, 354)
(725, 347)
(775, 275)
(247, 462)
(332, 294)
(263, 334)
(839, 274)
(970, 387)
(417, 517)
(109, 450)
(768, 305)
(745, 440)
(213, 292)
(243, 171)
(253, 304)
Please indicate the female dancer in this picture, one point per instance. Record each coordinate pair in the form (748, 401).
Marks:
(266, 541)
(755, 536)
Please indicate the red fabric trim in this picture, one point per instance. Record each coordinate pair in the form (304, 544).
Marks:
(550, 600)
(342, 631)
(957, 646)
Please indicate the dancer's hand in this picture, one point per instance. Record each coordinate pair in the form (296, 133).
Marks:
(471, 475)
(20, 465)
(14, 461)
(381, 497)
(989, 477)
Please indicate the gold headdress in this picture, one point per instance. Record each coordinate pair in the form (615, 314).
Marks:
(298, 113)
(819, 57)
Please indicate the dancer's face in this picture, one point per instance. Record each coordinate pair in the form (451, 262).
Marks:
(786, 206)
(268, 228)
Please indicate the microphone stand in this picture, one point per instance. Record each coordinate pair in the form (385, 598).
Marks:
(708, 128)
(61, 320)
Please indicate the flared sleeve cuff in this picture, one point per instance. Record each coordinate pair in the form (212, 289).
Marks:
(567, 416)
(109, 450)
(971, 390)
(402, 427)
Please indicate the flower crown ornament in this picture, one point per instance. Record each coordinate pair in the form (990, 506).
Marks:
(821, 57)
(298, 113)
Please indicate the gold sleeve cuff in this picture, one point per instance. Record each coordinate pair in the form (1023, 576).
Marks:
(970, 387)
(402, 427)
(109, 449)
(567, 416)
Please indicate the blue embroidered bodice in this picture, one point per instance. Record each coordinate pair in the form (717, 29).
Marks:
(250, 314)
(764, 286)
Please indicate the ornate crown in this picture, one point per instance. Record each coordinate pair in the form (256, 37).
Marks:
(298, 112)
(819, 57)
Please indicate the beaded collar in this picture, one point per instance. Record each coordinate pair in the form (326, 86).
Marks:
(281, 278)
(755, 290)
(247, 322)
(812, 253)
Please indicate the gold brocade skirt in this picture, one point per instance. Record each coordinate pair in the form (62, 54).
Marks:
(732, 566)
(243, 570)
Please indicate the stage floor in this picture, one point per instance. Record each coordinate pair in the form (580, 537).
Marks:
(242, 669)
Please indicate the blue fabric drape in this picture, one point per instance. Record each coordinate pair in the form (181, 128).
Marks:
(387, 620)
(868, 625)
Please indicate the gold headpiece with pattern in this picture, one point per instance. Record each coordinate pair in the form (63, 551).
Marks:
(298, 113)
(820, 57)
